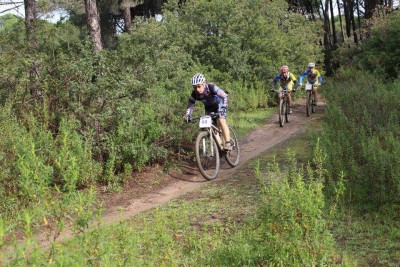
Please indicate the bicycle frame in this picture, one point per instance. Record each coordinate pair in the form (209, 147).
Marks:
(206, 123)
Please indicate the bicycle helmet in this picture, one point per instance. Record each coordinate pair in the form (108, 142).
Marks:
(311, 65)
(197, 79)
(284, 69)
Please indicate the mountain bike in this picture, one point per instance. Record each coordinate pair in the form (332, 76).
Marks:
(209, 146)
(284, 107)
(310, 98)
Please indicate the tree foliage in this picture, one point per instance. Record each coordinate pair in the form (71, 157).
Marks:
(120, 109)
(379, 54)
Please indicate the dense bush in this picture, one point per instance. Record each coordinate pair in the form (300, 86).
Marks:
(294, 223)
(361, 136)
(95, 116)
(379, 53)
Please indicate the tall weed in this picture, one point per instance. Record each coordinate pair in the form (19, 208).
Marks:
(294, 224)
(361, 137)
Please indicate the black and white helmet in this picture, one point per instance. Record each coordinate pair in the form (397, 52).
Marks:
(311, 65)
(197, 79)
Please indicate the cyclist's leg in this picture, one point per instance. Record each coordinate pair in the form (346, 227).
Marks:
(225, 129)
(316, 94)
(289, 90)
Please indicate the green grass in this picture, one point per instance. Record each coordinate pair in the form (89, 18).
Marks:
(244, 122)
(218, 225)
(227, 223)
(372, 238)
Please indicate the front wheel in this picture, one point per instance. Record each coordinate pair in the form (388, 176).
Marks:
(207, 155)
(233, 156)
(287, 114)
(313, 102)
(282, 111)
(309, 103)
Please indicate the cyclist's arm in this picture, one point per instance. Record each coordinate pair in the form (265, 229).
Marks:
(190, 106)
(276, 79)
(319, 77)
(293, 78)
(224, 96)
(302, 77)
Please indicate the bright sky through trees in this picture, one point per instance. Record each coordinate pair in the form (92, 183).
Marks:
(17, 8)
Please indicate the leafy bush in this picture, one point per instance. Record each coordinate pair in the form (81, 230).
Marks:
(294, 221)
(379, 53)
(361, 137)
(96, 117)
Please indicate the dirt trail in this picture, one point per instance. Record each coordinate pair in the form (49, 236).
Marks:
(254, 144)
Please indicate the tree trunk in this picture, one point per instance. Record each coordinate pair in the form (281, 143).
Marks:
(347, 18)
(353, 22)
(310, 9)
(93, 24)
(30, 21)
(327, 42)
(359, 18)
(340, 20)
(30, 24)
(370, 6)
(333, 22)
(126, 12)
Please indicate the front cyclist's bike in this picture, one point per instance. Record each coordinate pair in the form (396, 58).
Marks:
(310, 98)
(209, 146)
(284, 107)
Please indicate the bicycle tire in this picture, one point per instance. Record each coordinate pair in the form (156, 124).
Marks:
(308, 103)
(281, 112)
(233, 156)
(313, 103)
(207, 155)
(287, 114)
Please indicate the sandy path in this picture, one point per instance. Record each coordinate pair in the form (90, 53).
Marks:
(254, 144)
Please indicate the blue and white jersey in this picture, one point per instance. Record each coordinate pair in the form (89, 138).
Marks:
(213, 98)
(312, 76)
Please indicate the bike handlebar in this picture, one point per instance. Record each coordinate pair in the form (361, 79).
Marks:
(213, 115)
(280, 91)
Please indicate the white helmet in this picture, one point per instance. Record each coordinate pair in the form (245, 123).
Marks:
(311, 65)
(197, 79)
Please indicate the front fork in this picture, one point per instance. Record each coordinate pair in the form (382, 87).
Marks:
(204, 144)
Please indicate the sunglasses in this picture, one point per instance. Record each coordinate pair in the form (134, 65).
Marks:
(196, 86)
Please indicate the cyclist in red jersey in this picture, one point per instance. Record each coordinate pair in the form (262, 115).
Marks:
(286, 80)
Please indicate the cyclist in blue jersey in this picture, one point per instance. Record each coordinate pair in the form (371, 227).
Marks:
(312, 75)
(214, 100)
(286, 80)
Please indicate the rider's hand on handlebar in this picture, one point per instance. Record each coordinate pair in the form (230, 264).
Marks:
(187, 119)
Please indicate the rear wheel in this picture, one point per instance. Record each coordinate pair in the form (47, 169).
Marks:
(207, 155)
(282, 111)
(309, 103)
(233, 156)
